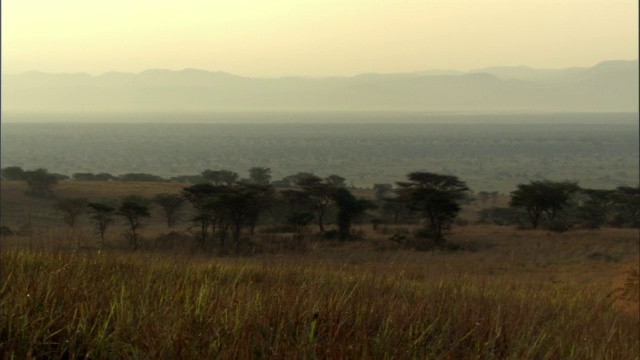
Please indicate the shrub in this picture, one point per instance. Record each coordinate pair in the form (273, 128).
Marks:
(6, 231)
(172, 240)
(332, 234)
(282, 228)
(603, 257)
(559, 226)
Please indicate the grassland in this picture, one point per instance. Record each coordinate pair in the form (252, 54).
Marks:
(508, 294)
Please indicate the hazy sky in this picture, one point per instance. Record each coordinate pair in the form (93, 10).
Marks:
(271, 38)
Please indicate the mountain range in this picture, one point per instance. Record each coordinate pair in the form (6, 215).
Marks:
(610, 86)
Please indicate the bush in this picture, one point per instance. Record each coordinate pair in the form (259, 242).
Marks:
(451, 247)
(332, 234)
(40, 182)
(93, 177)
(423, 234)
(357, 234)
(502, 216)
(13, 173)
(172, 240)
(420, 244)
(141, 177)
(274, 244)
(385, 245)
(603, 257)
(284, 228)
(6, 231)
(386, 230)
(559, 226)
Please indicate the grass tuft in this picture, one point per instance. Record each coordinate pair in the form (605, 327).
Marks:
(121, 305)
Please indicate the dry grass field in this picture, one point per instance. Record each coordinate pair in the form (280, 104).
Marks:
(506, 294)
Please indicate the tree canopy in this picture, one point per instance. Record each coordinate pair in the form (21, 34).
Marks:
(133, 211)
(40, 182)
(102, 214)
(71, 208)
(260, 175)
(170, 204)
(13, 173)
(544, 197)
(436, 197)
(219, 177)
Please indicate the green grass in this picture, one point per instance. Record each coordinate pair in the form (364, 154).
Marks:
(122, 305)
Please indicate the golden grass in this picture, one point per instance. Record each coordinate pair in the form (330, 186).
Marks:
(521, 295)
(106, 305)
(508, 294)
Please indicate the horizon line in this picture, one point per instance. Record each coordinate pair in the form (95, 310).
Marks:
(415, 72)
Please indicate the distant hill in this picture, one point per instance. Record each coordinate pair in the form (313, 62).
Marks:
(608, 86)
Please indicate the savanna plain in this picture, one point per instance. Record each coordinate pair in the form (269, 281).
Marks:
(495, 292)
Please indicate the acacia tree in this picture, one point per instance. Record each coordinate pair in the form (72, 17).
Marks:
(140, 177)
(133, 212)
(220, 177)
(335, 180)
(300, 221)
(13, 173)
(227, 208)
(238, 205)
(170, 204)
(383, 191)
(264, 199)
(348, 209)
(320, 195)
(597, 208)
(436, 197)
(627, 201)
(293, 180)
(299, 214)
(94, 177)
(71, 209)
(540, 198)
(40, 182)
(102, 214)
(393, 208)
(199, 195)
(260, 175)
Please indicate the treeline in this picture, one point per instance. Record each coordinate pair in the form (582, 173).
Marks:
(17, 173)
(259, 175)
(561, 206)
(224, 206)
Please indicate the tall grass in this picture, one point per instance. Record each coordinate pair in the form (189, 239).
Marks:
(119, 305)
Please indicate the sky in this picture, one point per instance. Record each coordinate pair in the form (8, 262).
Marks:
(277, 38)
